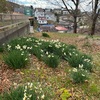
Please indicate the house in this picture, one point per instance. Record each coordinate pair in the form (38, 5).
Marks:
(42, 20)
(40, 15)
(48, 9)
(50, 16)
(57, 11)
(64, 11)
(61, 29)
(39, 12)
(47, 28)
(66, 20)
(44, 15)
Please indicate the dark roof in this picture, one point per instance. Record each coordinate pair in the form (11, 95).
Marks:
(39, 9)
(48, 13)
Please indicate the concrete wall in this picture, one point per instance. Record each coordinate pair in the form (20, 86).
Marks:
(13, 31)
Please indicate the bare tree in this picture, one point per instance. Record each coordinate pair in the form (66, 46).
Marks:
(95, 14)
(73, 11)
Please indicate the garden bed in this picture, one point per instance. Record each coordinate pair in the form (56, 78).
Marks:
(57, 81)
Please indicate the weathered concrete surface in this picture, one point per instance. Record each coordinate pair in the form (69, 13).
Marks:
(12, 31)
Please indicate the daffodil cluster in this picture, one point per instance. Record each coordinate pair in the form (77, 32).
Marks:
(28, 91)
(79, 75)
(50, 51)
(36, 91)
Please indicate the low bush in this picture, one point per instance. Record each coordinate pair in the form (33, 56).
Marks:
(16, 59)
(45, 35)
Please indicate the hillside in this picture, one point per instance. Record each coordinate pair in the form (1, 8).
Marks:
(55, 83)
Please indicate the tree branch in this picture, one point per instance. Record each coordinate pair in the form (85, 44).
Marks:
(73, 2)
(66, 7)
(56, 4)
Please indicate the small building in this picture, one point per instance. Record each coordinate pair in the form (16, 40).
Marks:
(47, 28)
(42, 20)
(57, 11)
(64, 11)
(39, 12)
(50, 16)
(40, 15)
(61, 29)
(28, 11)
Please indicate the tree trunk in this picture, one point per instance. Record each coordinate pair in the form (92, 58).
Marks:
(95, 14)
(75, 25)
(93, 27)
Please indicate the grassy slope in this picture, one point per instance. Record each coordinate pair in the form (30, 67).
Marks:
(85, 91)
(59, 78)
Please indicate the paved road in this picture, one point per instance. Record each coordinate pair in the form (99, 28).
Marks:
(31, 29)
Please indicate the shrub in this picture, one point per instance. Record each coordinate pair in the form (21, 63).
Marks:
(1, 49)
(68, 52)
(76, 59)
(52, 60)
(37, 52)
(48, 47)
(71, 47)
(16, 59)
(45, 35)
(58, 49)
(54, 47)
(79, 75)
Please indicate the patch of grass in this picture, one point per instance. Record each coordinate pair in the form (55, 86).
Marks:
(64, 34)
(87, 44)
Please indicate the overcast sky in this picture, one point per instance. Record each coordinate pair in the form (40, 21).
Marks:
(45, 4)
(35, 3)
